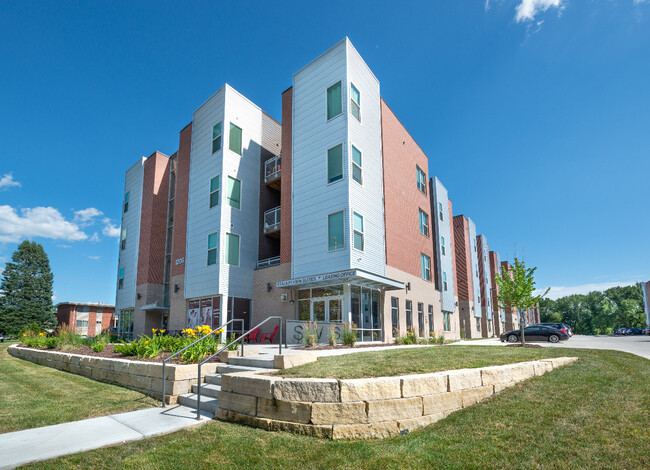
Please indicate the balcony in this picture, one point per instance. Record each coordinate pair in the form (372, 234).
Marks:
(268, 262)
(272, 222)
(272, 172)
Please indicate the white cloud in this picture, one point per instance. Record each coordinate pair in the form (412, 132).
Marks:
(110, 230)
(7, 181)
(528, 9)
(639, 2)
(46, 222)
(94, 257)
(94, 237)
(562, 291)
(85, 216)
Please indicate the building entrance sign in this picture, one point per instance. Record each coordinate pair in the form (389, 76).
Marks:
(318, 278)
(295, 331)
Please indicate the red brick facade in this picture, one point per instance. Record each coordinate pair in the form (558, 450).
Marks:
(180, 199)
(463, 266)
(66, 314)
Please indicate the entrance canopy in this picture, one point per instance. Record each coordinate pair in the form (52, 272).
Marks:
(352, 276)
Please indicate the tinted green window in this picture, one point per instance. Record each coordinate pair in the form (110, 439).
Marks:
(215, 183)
(232, 249)
(234, 192)
(358, 231)
(216, 137)
(356, 165)
(422, 180)
(126, 201)
(335, 235)
(235, 139)
(121, 273)
(334, 100)
(355, 102)
(426, 267)
(335, 163)
(213, 243)
(424, 223)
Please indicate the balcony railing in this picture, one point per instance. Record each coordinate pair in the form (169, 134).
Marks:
(272, 169)
(272, 220)
(268, 262)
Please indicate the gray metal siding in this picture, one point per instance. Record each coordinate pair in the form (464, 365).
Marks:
(443, 229)
(474, 259)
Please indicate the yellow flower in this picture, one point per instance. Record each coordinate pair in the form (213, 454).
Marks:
(24, 334)
(163, 330)
(154, 330)
(146, 342)
(41, 334)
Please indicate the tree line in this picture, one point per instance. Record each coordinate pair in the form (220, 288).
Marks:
(597, 312)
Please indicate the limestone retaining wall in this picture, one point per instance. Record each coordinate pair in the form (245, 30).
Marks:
(143, 376)
(365, 408)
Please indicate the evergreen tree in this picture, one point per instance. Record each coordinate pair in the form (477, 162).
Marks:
(26, 290)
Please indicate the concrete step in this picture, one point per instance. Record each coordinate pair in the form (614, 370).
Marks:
(207, 403)
(208, 390)
(214, 379)
(228, 369)
(264, 361)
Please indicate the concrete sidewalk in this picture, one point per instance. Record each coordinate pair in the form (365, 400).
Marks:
(31, 445)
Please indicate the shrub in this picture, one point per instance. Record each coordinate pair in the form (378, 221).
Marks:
(441, 339)
(310, 334)
(68, 337)
(125, 349)
(98, 347)
(349, 334)
(51, 342)
(233, 346)
(411, 336)
(422, 341)
(332, 337)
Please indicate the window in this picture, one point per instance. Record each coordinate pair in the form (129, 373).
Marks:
(334, 107)
(234, 143)
(82, 323)
(424, 223)
(358, 232)
(335, 236)
(123, 239)
(475, 245)
(431, 318)
(489, 323)
(478, 324)
(426, 267)
(444, 280)
(234, 192)
(440, 211)
(442, 245)
(422, 180)
(394, 314)
(126, 201)
(120, 281)
(232, 249)
(356, 165)
(100, 310)
(216, 137)
(446, 324)
(420, 319)
(355, 102)
(335, 163)
(214, 191)
(409, 315)
(83, 309)
(213, 243)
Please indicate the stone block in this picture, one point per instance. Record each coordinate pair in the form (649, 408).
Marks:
(502, 386)
(382, 388)
(463, 379)
(475, 395)
(392, 410)
(365, 431)
(418, 423)
(542, 367)
(424, 384)
(442, 403)
(339, 413)
(321, 390)
(155, 371)
(227, 380)
(255, 385)
(293, 411)
(286, 361)
(233, 417)
(239, 403)
(297, 428)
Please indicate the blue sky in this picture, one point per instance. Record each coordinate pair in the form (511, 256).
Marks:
(535, 114)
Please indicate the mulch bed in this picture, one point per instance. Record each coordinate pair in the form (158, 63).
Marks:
(357, 346)
(534, 346)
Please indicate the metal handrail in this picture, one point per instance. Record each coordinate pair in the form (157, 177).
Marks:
(241, 338)
(221, 329)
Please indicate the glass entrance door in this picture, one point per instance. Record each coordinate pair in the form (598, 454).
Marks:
(327, 309)
(366, 313)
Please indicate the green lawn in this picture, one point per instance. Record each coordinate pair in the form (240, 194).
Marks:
(33, 395)
(593, 414)
(391, 362)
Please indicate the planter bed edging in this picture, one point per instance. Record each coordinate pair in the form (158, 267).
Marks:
(365, 408)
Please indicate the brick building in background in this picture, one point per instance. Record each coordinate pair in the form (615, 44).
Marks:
(88, 319)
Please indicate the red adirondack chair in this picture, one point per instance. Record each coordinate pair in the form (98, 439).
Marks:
(252, 336)
(270, 337)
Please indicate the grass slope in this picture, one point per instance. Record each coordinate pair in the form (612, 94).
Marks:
(32, 395)
(593, 414)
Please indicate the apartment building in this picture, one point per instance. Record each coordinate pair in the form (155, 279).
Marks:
(498, 313)
(88, 319)
(331, 216)
(645, 288)
(511, 315)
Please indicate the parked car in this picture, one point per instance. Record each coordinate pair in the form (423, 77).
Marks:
(558, 326)
(536, 333)
(646, 331)
(636, 331)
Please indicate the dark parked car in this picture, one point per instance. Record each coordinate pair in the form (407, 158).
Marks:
(536, 333)
(558, 326)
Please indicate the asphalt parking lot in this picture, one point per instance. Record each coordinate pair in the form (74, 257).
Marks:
(639, 345)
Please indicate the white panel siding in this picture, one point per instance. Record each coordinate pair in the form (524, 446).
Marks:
(443, 229)
(312, 197)
(201, 279)
(367, 198)
(128, 258)
(474, 258)
(486, 273)
(502, 312)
